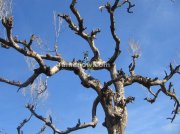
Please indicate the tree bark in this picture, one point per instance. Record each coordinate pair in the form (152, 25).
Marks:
(115, 125)
(114, 105)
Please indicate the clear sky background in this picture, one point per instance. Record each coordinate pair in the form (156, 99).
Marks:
(155, 24)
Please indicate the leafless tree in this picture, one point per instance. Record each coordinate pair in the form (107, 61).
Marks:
(113, 101)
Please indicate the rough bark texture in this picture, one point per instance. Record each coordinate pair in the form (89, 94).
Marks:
(113, 100)
(116, 125)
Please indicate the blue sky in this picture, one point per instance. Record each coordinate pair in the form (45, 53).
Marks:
(154, 24)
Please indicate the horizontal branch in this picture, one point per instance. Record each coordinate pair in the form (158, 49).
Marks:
(14, 83)
(51, 58)
(48, 121)
(80, 125)
(28, 82)
(152, 81)
(148, 82)
(86, 80)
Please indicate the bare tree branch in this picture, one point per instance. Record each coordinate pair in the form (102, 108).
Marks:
(111, 10)
(155, 96)
(133, 65)
(4, 43)
(18, 84)
(29, 81)
(45, 120)
(148, 82)
(113, 32)
(42, 130)
(8, 24)
(94, 108)
(113, 101)
(80, 29)
(23, 123)
(48, 121)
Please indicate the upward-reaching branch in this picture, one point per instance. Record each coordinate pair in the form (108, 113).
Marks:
(113, 102)
(23, 123)
(80, 30)
(111, 10)
(113, 32)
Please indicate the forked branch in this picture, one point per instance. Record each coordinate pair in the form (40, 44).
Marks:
(149, 82)
(80, 29)
(49, 122)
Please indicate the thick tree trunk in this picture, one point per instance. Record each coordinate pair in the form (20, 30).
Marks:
(114, 105)
(115, 128)
(115, 125)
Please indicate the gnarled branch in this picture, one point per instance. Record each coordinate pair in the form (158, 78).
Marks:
(48, 121)
(80, 29)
